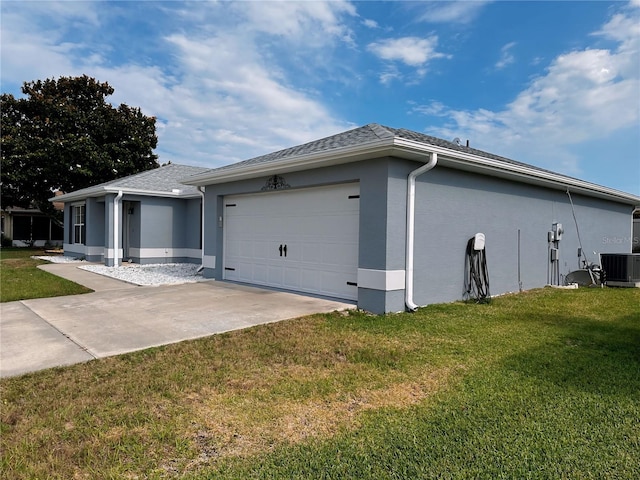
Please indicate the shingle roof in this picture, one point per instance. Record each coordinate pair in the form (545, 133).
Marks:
(354, 137)
(369, 138)
(162, 179)
(363, 135)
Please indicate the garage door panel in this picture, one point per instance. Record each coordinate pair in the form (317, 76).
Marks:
(336, 254)
(313, 252)
(275, 275)
(259, 274)
(245, 249)
(318, 226)
(291, 277)
(310, 282)
(334, 283)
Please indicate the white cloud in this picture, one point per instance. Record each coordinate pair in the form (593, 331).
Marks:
(31, 56)
(367, 22)
(389, 75)
(452, 11)
(219, 97)
(433, 108)
(71, 13)
(412, 51)
(506, 57)
(28, 52)
(583, 96)
(314, 22)
(228, 87)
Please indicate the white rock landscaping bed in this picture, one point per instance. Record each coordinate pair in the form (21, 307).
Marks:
(58, 259)
(149, 275)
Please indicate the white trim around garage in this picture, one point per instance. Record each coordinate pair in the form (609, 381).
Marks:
(385, 280)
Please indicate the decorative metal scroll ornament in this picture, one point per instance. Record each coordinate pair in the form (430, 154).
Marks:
(276, 182)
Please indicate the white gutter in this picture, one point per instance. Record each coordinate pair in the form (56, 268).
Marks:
(412, 150)
(116, 229)
(411, 201)
(100, 191)
(334, 156)
(519, 172)
(201, 192)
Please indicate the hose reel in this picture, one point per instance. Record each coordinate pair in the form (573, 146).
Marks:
(476, 283)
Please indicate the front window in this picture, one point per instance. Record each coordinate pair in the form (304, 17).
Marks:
(79, 233)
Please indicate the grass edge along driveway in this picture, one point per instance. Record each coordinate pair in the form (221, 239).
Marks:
(542, 384)
(21, 279)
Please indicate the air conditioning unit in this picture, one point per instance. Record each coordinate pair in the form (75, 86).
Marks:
(622, 269)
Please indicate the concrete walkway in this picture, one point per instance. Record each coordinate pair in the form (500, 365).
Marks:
(119, 317)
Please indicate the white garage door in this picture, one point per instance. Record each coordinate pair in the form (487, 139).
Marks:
(304, 240)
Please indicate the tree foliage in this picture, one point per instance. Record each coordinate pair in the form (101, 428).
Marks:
(65, 136)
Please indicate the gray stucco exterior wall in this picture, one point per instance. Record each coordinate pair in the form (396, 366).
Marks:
(166, 230)
(193, 229)
(95, 228)
(151, 229)
(381, 224)
(93, 248)
(451, 206)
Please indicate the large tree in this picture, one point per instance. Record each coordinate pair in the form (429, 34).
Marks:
(64, 135)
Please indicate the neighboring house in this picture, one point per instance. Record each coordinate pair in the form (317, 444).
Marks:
(29, 226)
(382, 216)
(149, 217)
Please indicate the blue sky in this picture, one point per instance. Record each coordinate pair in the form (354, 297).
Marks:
(553, 84)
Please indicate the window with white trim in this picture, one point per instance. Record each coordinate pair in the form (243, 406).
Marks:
(79, 231)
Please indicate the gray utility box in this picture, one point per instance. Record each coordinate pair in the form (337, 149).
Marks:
(622, 269)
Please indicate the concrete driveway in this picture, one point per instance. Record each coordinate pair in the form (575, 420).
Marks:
(119, 317)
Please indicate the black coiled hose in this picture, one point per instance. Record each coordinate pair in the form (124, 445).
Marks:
(476, 274)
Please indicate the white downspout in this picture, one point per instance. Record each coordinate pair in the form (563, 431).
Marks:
(411, 200)
(201, 191)
(116, 227)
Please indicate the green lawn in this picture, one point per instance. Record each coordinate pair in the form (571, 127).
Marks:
(544, 384)
(20, 279)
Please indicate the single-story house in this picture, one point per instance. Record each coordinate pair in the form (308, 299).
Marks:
(149, 217)
(29, 226)
(384, 217)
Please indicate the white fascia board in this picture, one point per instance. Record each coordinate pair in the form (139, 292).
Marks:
(326, 158)
(100, 191)
(416, 151)
(151, 193)
(513, 171)
(78, 195)
(531, 175)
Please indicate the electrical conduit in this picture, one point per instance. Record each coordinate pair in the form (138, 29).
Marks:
(411, 200)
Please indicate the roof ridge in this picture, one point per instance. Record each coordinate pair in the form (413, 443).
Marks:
(153, 171)
(381, 131)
